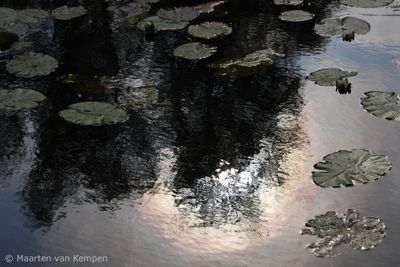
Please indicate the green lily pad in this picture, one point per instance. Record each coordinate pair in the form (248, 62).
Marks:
(361, 233)
(195, 50)
(209, 7)
(366, 3)
(20, 99)
(162, 24)
(93, 114)
(296, 16)
(244, 64)
(17, 28)
(343, 168)
(7, 40)
(68, 13)
(328, 77)
(288, 2)
(384, 105)
(179, 14)
(7, 15)
(335, 26)
(31, 65)
(209, 30)
(31, 16)
(139, 97)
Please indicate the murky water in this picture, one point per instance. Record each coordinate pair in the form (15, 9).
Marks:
(217, 172)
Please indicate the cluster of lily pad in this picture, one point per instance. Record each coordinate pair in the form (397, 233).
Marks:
(347, 167)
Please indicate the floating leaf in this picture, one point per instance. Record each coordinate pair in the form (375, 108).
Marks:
(32, 64)
(20, 99)
(195, 50)
(288, 2)
(328, 77)
(93, 114)
(31, 16)
(296, 16)
(68, 13)
(335, 26)
(384, 105)
(7, 39)
(244, 64)
(360, 233)
(17, 28)
(208, 7)
(7, 15)
(209, 30)
(343, 168)
(179, 14)
(366, 3)
(162, 24)
(139, 97)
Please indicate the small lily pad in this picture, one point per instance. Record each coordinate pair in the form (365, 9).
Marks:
(93, 114)
(384, 105)
(68, 13)
(32, 64)
(288, 2)
(20, 99)
(209, 30)
(195, 50)
(7, 40)
(162, 24)
(361, 233)
(179, 14)
(31, 16)
(208, 7)
(336, 26)
(139, 97)
(328, 77)
(366, 3)
(7, 15)
(344, 167)
(244, 64)
(296, 16)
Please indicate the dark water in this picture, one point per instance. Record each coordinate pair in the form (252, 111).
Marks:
(217, 172)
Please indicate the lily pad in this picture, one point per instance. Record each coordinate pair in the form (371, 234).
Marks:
(20, 99)
(288, 2)
(162, 24)
(328, 77)
(195, 50)
(344, 167)
(68, 13)
(366, 3)
(384, 105)
(32, 64)
(7, 39)
(361, 233)
(179, 14)
(336, 26)
(208, 7)
(93, 114)
(209, 30)
(296, 16)
(139, 97)
(31, 16)
(244, 64)
(7, 15)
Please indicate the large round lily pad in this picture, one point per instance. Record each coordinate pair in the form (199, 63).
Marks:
(328, 77)
(209, 30)
(288, 2)
(296, 16)
(7, 15)
(336, 26)
(7, 39)
(384, 105)
(20, 99)
(93, 114)
(361, 233)
(344, 167)
(179, 14)
(68, 13)
(162, 24)
(32, 64)
(195, 50)
(366, 3)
